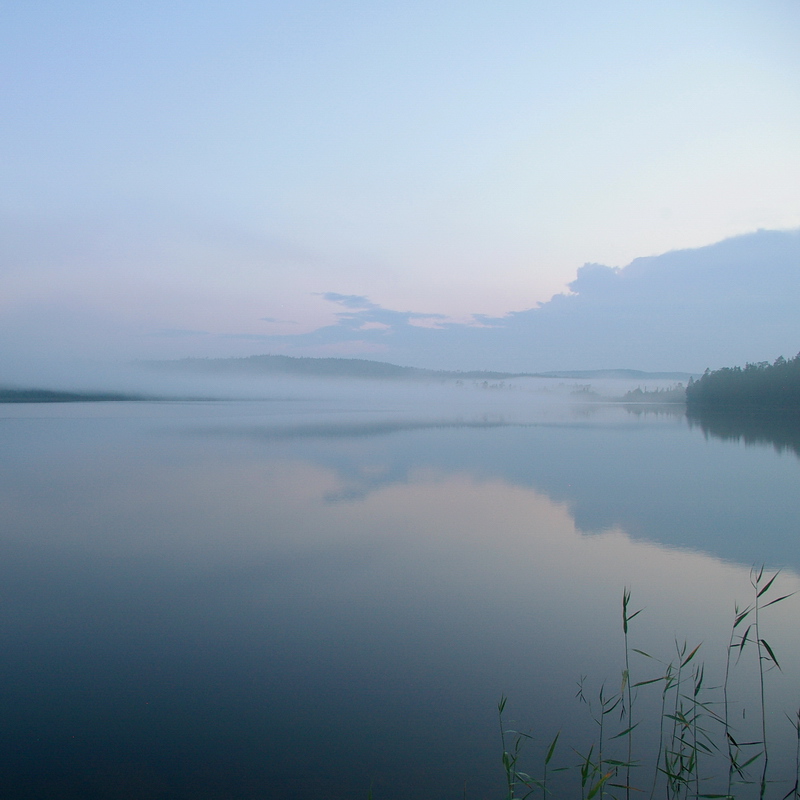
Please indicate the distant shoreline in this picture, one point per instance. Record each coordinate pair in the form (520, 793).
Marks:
(304, 366)
(54, 396)
(317, 368)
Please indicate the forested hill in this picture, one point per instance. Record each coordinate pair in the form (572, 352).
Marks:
(290, 365)
(364, 368)
(9, 395)
(314, 367)
(752, 387)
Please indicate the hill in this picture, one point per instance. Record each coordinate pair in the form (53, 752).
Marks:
(57, 396)
(354, 368)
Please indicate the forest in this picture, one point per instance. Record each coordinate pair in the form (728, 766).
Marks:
(754, 387)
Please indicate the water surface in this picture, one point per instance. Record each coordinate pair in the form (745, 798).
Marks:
(309, 598)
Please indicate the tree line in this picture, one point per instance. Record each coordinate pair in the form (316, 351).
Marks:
(752, 387)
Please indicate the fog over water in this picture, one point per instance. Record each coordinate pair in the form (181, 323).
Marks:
(329, 589)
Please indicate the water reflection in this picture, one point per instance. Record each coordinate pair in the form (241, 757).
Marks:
(650, 475)
(233, 602)
(781, 430)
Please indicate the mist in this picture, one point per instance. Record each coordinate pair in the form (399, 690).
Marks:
(684, 310)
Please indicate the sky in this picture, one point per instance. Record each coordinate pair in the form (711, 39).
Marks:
(214, 178)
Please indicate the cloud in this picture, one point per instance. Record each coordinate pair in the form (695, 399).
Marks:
(368, 316)
(594, 279)
(726, 303)
(349, 300)
(685, 310)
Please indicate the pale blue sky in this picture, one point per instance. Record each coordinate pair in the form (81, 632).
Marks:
(216, 167)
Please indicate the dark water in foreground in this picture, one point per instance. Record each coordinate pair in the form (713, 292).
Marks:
(308, 599)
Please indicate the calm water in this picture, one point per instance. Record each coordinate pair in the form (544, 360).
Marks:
(308, 598)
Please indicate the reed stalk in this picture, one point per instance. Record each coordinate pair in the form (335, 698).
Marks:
(694, 734)
(627, 690)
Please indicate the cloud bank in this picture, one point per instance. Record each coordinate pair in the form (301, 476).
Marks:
(726, 303)
(685, 310)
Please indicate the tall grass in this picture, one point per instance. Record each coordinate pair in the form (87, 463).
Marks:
(699, 752)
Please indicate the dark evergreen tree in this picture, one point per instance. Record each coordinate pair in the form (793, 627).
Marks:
(761, 386)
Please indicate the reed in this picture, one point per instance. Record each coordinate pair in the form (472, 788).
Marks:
(698, 754)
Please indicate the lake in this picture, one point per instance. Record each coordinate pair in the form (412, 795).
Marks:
(325, 594)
